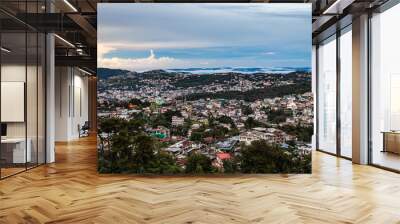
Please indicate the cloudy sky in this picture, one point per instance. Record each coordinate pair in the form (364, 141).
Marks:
(147, 36)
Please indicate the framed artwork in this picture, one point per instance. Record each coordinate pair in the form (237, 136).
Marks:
(204, 88)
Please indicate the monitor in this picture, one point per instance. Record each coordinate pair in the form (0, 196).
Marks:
(3, 129)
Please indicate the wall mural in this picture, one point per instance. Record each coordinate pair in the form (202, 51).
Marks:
(204, 88)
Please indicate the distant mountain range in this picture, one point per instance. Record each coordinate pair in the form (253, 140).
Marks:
(104, 73)
(280, 70)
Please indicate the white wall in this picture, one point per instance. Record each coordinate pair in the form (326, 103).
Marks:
(33, 126)
(12, 73)
(71, 102)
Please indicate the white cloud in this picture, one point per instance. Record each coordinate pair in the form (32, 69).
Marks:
(140, 64)
(106, 47)
(268, 53)
(103, 49)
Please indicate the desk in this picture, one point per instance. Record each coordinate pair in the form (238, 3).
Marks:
(13, 150)
(391, 141)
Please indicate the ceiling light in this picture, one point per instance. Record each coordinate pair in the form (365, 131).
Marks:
(64, 40)
(5, 50)
(70, 5)
(86, 72)
(337, 7)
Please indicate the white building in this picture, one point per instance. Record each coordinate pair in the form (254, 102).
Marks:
(177, 121)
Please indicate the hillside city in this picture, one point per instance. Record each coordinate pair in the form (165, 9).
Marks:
(216, 118)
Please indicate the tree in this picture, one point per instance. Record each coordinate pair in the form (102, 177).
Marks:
(260, 157)
(120, 153)
(303, 133)
(136, 125)
(211, 121)
(230, 166)
(198, 163)
(218, 132)
(111, 125)
(196, 136)
(164, 163)
(277, 116)
(160, 120)
(139, 103)
(225, 120)
(250, 123)
(170, 113)
(246, 110)
(144, 148)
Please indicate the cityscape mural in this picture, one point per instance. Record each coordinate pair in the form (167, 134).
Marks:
(204, 88)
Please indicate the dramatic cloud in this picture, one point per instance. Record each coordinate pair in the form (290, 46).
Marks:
(142, 64)
(201, 35)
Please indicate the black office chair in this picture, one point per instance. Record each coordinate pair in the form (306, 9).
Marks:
(84, 130)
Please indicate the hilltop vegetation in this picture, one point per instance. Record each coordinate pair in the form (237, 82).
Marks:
(105, 73)
(254, 94)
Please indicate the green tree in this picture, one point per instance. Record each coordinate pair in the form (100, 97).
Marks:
(246, 110)
(196, 136)
(260, 157)
(111, 125)
(198, 163)
(170, 113)
(277, 116)
(160, 120)
(120, 153)
(136, 125)
(164, 163)
(250, 123)
(225, 120)
(230, 166)
(139, 103)
(303, 133)
(144, 148)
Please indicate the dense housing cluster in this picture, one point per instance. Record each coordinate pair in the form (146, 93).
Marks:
(211, 120)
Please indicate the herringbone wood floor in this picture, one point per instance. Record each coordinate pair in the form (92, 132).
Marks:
(71, 191)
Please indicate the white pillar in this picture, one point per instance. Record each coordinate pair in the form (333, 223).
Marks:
(50, 98)
(360, 90)
(63, 101)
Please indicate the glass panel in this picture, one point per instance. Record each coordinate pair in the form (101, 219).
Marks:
(32, 88)
(23, 90)
(346, 93)
(41, 98)
(385, 89)
(13, 87)
(327, 95)
(31, 98)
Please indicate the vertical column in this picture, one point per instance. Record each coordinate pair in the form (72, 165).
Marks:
(314, 91)
(63, 101)
(338, 76)
(92, 103)
(50, 98)
(50, 92)
(360, 89)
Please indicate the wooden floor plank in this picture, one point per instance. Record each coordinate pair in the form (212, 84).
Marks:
(71, 191)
